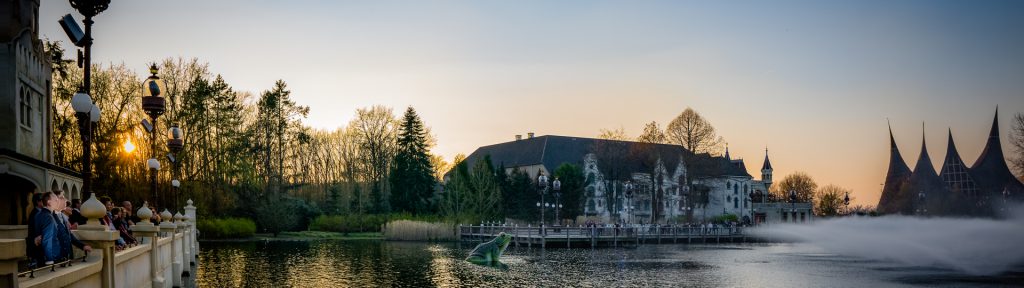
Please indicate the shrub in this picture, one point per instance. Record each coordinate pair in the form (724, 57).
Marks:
(226, 228)
(725, 218)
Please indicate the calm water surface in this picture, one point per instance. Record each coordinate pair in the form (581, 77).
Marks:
(372, 263)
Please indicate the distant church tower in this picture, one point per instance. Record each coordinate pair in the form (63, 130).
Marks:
(766, 171)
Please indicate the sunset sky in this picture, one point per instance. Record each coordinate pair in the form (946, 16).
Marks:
(814, 81)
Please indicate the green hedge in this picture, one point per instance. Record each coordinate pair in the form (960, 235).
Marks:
(226, 228)
(348, 223)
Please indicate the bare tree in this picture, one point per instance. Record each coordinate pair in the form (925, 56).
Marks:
(377, 131)
(799, 182)
(1017, 141)
(693, 132)
(829, 200)
(652, 134)
(614, 134)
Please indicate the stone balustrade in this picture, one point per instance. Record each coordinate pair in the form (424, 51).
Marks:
(165, 254)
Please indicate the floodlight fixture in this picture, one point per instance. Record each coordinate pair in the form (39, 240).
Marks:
(72, 29)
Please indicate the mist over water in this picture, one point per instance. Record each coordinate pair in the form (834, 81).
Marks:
(970, 245)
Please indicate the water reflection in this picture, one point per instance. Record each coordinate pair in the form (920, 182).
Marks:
(330, 263)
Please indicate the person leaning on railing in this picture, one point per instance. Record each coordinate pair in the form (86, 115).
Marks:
(64, 236)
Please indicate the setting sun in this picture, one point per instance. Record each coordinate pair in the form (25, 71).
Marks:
(128, 146)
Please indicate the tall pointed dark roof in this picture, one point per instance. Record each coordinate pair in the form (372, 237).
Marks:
(925, 180)
(955, 174)
(897, 175)
(767, 164)
(990, 172)
(924, 163)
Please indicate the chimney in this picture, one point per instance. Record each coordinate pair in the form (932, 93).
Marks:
(529, 135)
(519, 137)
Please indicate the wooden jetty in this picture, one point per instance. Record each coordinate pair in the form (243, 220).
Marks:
(580, 236)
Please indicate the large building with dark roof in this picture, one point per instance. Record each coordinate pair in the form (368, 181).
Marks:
(980, 190)
(662, 178)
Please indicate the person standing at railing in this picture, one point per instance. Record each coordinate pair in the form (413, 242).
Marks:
(46, 225)
(64, 236)
(33, 239)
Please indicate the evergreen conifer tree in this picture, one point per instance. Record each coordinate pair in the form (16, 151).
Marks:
(411, 178)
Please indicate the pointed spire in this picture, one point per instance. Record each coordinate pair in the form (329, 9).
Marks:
(727, 151)
(892, 140)
(897, 174)
(994, 133)
(924, 162)
(767, 164)
(992, 154)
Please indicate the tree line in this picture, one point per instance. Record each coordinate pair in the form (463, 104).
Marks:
(245, 154)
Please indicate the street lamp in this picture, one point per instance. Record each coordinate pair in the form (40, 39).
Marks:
(557, 186)
(154, 105)
(176, 185)
(542, 184)
(629, 202)
(175, 141)
(154, 166)
(846, 203)
(792, 204)
(922, 210)
(88, 114)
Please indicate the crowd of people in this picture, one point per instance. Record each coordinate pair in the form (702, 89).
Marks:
(53, 217)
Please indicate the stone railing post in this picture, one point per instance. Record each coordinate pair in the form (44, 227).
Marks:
(190, 213)
(145, 228)
(194, 233)
(182, 255)
(99, 237)
(11, 250)
(167, 227)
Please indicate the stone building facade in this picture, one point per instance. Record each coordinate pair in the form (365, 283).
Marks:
(26, 153)
(665, 188)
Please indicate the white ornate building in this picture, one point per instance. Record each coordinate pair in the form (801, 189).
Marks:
(664, 190)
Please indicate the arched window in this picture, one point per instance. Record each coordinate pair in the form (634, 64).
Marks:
(728, 185)
(736, 189)
(53, 187)
(736, 203)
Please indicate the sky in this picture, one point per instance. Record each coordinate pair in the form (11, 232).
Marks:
(814, 82)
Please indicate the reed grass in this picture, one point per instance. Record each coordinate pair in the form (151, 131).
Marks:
(408, 230)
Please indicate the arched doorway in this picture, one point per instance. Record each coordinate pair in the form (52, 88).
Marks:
(16, 201)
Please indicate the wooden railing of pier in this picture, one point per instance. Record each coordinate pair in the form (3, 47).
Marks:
(601, 236)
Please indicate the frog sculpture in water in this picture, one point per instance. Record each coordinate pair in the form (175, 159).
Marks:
(487, 253)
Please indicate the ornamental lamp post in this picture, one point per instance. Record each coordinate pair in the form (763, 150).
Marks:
(154, 104)
(175, 141)
(88, 114)
(175, 184)
(557, 186)
(154, 166)
(542, 184)
(629, 202)
(846, 202)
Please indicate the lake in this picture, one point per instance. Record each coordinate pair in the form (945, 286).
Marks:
(363, 263)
